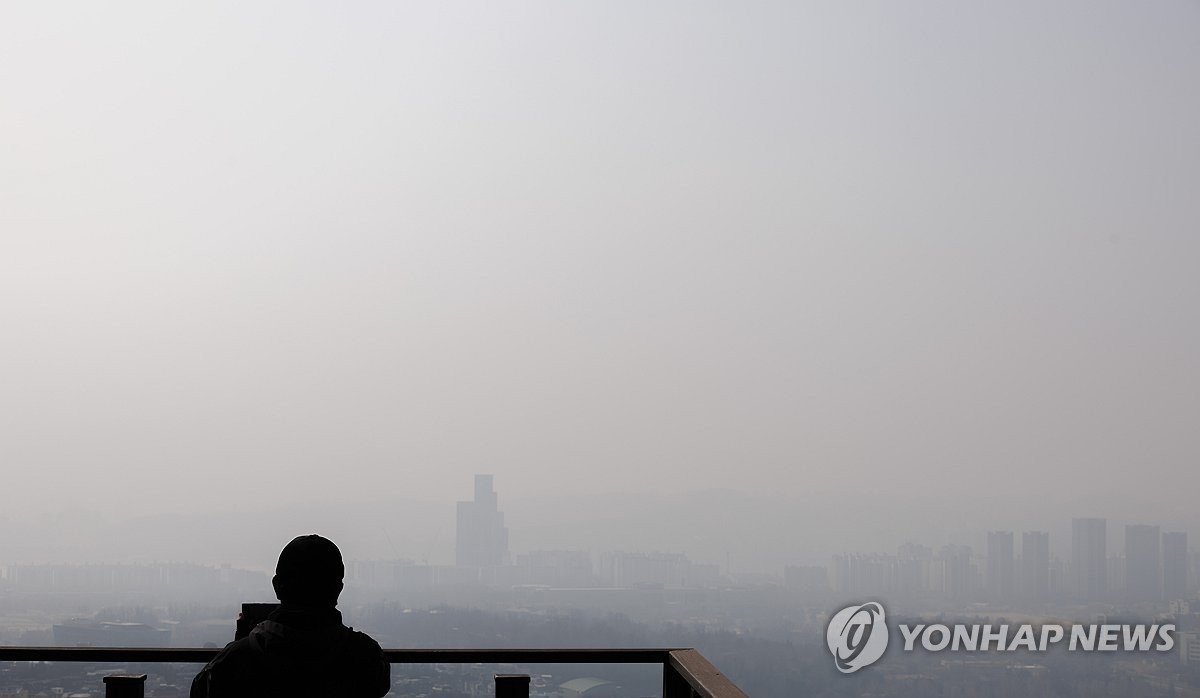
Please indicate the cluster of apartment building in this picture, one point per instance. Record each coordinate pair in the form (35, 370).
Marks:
(179, 577)
(1154, 566)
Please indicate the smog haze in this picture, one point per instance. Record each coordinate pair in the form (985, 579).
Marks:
(264, 256)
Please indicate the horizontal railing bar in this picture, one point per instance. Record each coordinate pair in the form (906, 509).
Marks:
(529, 656)
(687, 664)
(201, 655)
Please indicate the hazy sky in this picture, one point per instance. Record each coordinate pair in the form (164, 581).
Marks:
(299, 251)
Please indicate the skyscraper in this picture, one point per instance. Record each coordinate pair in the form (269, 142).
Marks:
(481, 538)
(1035, 564)
(1089, 552)
(1000, 564)
(1175, 565)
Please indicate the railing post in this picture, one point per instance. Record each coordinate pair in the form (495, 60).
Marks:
(512, 685)
(125, 686)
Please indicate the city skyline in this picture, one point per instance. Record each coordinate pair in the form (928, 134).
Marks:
(1148, 565)
(748, 528)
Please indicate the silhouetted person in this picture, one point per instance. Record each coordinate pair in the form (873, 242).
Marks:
(302, 649)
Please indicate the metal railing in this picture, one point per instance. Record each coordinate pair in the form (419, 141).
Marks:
(686, 673)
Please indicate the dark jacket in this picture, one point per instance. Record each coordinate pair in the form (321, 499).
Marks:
(297, 653)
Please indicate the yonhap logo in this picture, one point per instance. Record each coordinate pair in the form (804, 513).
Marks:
(857, 636)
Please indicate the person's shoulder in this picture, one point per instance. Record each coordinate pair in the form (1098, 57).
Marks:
(362, 642)
(234, 653)
(224, 674)
(373, 675)
(235, 647)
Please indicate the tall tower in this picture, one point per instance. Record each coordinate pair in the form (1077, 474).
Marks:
(480, 536)
(1000, 567)
(1175, 565)
(1143, 563)
(1035, 564)
(1089, 553)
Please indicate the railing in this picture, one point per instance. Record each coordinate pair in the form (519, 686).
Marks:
(686, 673)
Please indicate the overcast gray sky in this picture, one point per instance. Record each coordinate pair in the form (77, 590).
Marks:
(321, 251)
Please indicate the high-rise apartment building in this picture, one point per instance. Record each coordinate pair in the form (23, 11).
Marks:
(958, 578)
(1035, 564)
(1001, 570)
(1089, 553)
(481, 538)
(1175, 565)
(1143, 563)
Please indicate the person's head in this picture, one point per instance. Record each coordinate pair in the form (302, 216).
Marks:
(309, 572)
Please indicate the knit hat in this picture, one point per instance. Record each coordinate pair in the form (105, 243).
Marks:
(310, 570)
